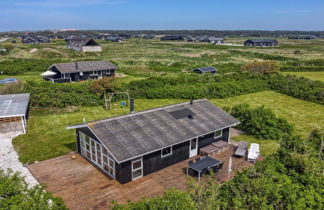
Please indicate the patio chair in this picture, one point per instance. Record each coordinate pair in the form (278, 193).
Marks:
(190, 162)
(254, 152)
(241, 149)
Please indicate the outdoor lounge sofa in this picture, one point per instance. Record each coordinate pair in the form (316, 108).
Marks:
(241, 149)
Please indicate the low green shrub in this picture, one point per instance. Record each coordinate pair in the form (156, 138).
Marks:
(46, 94)
(298, 87)
(193, 86)
(261, 122)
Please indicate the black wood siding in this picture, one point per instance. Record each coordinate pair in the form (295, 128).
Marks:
(153, 162)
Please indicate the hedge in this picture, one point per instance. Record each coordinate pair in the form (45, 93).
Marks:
(261, 122)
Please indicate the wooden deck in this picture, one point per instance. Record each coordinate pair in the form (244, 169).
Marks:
(83, 186)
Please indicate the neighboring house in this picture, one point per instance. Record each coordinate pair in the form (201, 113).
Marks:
(81, 70)
(130, 146)
(190, 39)
(35, 40)
(83, 44)
(115, 39)
(212, 40)
(14, 112)
(305, 37)
(172, 38)
(202, 70)
(148, 36)
(261, 43)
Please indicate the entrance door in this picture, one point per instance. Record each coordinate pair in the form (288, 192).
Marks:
(193, 147)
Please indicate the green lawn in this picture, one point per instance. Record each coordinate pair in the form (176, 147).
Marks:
(304, 116)
(34, 76)
(310, 75)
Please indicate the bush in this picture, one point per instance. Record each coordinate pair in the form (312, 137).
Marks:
(264, 67)
(298, 87)
(102, 86)
(261, 122)
(193, 86)
(46, 94)
(15, 194)
(304, 66)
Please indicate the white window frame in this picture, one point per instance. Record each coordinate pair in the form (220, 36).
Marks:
(81, 73)
(221, 134)
(141, 168)
(84, 151)
(169, 154)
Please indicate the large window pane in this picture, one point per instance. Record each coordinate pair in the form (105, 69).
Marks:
(137, 173)
(105, 159)
(137, 165)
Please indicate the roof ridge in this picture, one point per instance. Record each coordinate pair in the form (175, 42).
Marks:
(142, 112)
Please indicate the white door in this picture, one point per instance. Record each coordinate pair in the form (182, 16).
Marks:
(193, 147)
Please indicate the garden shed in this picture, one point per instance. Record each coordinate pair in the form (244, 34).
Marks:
(14, 112)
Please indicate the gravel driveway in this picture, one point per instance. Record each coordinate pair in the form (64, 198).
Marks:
(9, 157)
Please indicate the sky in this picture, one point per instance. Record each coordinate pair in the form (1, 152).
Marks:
(162, 14)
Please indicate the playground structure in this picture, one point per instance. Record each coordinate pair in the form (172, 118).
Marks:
(110, 98)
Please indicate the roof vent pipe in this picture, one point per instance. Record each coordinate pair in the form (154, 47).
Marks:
(191, 101)
(76, 64)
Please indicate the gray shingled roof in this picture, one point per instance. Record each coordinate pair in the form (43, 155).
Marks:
(83, 66)
(81, 41)
(14, 104)
(133, 135)
(206, 69)
(261, 40)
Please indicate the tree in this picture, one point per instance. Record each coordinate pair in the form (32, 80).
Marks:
(103, 85)
(261, 67)
(15, 194)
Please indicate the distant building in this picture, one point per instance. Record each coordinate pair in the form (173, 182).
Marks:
(202, 70)
(13, 41)
(83, 44)
(212, 40)
(115, 39)
(304, 37)
(261, 43)
(35, 39)
(148, 36)
(172, 38)
(76, 71)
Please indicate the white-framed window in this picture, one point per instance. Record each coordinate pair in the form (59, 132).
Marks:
(81, 73)
(166, 152)
(218, 134)
(137, 168)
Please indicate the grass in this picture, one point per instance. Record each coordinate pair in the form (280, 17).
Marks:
(47, 137)
(304, 116)
(34, 76)
(310, 75)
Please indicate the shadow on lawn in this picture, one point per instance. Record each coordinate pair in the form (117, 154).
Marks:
(71, 146)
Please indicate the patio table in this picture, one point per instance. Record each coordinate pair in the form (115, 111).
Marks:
(209, 149)
(220, 144)
(203, 164)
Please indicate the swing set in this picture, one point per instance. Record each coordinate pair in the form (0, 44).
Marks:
(110, 98)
